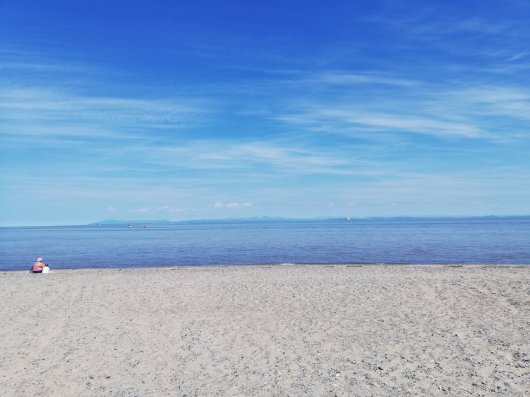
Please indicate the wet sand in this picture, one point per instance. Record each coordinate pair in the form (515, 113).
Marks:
(372, 330)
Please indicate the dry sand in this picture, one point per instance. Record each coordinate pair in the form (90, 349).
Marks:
(267, 331)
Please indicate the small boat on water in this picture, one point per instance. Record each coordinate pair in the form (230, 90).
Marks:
(129, 226)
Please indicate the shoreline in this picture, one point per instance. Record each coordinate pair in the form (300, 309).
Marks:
(353, 264)
(302, 330)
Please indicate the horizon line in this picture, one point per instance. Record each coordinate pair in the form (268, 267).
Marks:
(273, 218)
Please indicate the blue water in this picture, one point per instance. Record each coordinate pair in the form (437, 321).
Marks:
(505, 240)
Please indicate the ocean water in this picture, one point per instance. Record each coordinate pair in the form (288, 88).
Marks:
(496, 240)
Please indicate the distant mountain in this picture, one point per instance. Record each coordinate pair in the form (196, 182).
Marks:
(165, 222)
(441, 218)
(135, 222)
(246, 219)
(278, 218)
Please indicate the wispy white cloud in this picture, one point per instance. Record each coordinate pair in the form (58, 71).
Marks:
(35, 111)
(265, 156)
(27, 62)
(466, 25)
(344, 121)
(496, 100)
(519, 56)
(456, 109)
(347, 78)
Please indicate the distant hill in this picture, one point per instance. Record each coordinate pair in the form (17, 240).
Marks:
(135, 222)
(274, 218)
(165, 222)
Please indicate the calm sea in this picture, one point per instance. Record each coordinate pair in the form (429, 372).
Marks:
(505, 240)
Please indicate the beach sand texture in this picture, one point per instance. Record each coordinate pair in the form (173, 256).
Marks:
(370, 330)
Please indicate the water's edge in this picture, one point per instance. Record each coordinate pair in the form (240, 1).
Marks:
(278, 265)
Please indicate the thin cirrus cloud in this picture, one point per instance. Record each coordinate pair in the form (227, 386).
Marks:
(342, 78)
(458, 109)
(334, 119)
(254, 156)
(27, 113)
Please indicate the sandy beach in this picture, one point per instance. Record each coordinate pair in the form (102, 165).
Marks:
(371, 330)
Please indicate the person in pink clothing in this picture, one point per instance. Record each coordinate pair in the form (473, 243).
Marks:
(38, 266)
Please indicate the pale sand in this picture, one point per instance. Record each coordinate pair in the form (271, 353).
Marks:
(268, 330)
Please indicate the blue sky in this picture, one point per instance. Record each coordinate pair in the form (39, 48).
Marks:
(207, 109)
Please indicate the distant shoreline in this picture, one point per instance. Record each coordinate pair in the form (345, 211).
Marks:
(119, 222)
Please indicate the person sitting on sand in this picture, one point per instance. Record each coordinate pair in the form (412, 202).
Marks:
(38, 266)
(45, 268)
